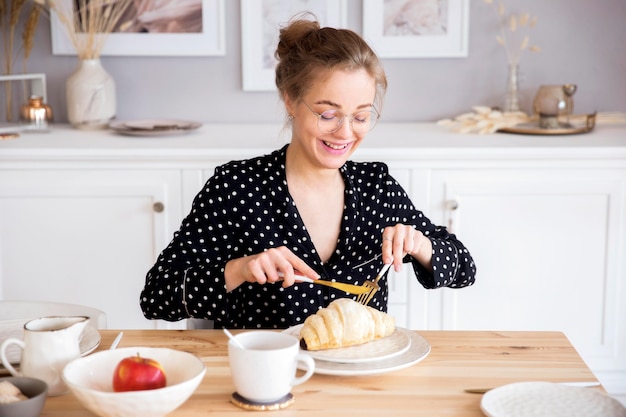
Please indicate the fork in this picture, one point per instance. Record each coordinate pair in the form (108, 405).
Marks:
(365, 298)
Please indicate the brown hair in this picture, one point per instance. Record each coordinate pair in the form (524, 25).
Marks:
(306, 52)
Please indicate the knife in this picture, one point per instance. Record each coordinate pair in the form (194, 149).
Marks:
(349, 288)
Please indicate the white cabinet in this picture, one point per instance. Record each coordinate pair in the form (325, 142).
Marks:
(85, 236)
(549, 245)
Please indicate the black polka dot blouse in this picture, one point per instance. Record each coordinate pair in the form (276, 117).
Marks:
(245, 208)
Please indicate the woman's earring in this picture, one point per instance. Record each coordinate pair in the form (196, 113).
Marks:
(290, 116)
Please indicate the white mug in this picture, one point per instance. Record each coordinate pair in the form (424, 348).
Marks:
(266, 369)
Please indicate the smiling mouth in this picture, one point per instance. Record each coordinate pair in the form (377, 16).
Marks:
(336, 147)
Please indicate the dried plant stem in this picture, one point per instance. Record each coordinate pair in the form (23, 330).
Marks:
(88, 25)
(511, 34)
(10, 12)
(28, 35)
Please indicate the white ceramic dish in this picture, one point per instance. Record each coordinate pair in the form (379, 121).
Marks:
(16, 313)
(395, 344)
(89, 339)
(417, 351)
(541, 399)
(154, 127)
(91, 380)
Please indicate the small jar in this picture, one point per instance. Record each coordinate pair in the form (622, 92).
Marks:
(36, 115)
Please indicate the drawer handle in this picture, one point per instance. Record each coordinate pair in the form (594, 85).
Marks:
(158, 207)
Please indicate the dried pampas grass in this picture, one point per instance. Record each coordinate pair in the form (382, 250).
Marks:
(484, 120)
(12, 14)
(513, 32)
(87, 23)
(29, 31)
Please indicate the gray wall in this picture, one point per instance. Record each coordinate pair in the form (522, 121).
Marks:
(582, 41)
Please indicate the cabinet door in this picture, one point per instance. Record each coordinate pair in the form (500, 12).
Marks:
(548, 244)
(85, 237)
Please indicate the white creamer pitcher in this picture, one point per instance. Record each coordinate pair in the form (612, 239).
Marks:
(49, 344)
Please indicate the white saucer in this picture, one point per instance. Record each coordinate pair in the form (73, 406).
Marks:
(393, 345)
(89, 340)
(542, 399)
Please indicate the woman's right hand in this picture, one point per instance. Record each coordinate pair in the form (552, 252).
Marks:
(272, 265)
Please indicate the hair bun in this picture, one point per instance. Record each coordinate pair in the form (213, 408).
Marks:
(292, 34)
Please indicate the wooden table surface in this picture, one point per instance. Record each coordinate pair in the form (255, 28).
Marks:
(433, 387)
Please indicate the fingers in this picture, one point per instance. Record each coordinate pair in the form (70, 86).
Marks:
(276, 264)
(398, 241)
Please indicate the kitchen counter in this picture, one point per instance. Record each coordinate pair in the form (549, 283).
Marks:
(235, 141)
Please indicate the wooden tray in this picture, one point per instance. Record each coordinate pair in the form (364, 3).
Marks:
(533, 128)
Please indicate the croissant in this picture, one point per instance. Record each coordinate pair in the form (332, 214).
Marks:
(9, 393)
(344, 323)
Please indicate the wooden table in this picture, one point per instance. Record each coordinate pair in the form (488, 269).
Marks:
(433, 387)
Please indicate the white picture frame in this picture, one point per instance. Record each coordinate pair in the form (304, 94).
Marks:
(260, 24)
(211, 42)
(393, 29)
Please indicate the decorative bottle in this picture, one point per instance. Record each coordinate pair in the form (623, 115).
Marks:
(512, 99)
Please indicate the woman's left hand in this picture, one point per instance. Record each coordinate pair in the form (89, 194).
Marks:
(400, 240)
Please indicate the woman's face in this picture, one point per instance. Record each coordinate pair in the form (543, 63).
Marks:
(345, 92)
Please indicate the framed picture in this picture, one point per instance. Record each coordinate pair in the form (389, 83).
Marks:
(417, 28)
(261, 21)
(190, 28)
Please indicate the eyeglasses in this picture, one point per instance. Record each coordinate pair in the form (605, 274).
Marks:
(331, 120)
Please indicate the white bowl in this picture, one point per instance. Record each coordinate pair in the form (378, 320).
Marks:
(91, 380)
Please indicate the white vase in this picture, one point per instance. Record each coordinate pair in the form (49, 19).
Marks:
(91, 101)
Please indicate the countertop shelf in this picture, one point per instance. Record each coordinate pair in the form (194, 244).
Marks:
(397, 140)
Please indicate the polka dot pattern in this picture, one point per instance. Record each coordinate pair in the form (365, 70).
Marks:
(245, 208)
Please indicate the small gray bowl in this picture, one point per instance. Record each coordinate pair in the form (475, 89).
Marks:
(35, 389)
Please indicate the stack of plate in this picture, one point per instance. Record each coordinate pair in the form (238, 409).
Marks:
(401, 349)
(154, 127)
(541, 399)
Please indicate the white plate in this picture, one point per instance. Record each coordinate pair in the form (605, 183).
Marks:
(154, 127)
(418, 350)
(393, 345)
(541, 399)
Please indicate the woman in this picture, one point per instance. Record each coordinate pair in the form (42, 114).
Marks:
(302, 209)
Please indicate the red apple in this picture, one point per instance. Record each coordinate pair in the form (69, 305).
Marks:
(136, 374)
